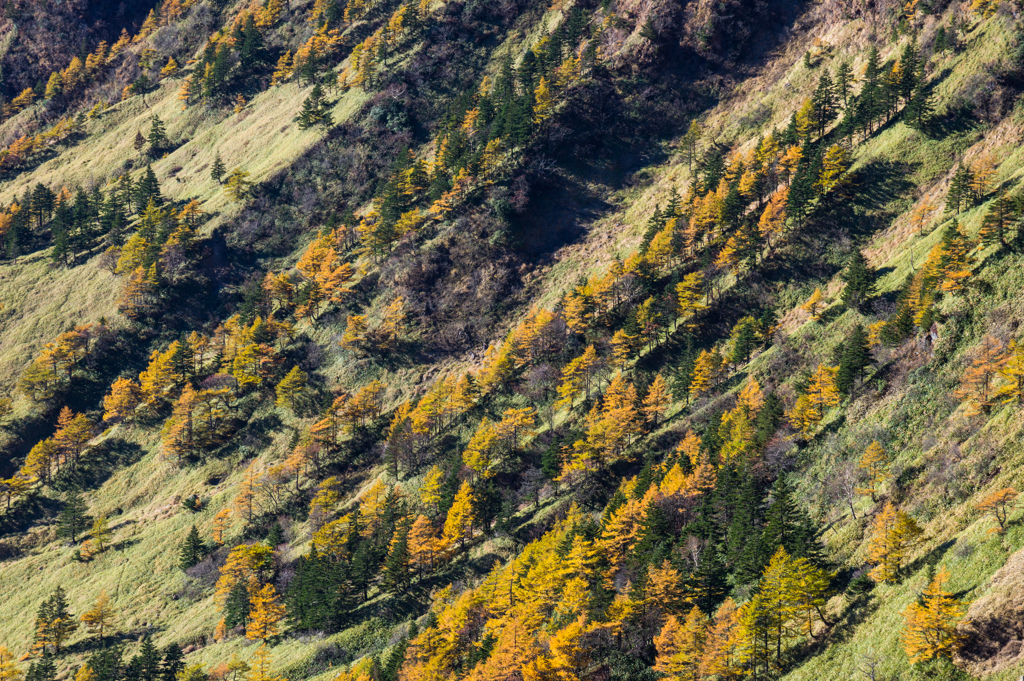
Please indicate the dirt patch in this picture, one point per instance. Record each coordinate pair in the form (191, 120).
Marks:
(994, 625)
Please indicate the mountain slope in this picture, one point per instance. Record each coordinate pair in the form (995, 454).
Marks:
(418, 364)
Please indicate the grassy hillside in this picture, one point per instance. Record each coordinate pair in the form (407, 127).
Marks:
(501, 193)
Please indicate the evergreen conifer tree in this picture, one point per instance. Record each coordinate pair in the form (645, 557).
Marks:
(192, 550)
(172, 663)
(855, 358)
(72, 519)
(860, 281)
(236, 607)
(42, 670)
(396, 567)
(960, 193)
(148, 660)
(217, 170)
(157, 138)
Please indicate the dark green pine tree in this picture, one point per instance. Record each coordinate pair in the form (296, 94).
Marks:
(18, 233)
(275, 537)
(157, 138)
(824, 102)
(251, 53)
(960, 192)
(172, 663)
(364, 568)
(397, 577)
(860, 281)
(217, 170)
(655, 536)
(54, 621)
(801, 190)
(712, 169)
(72, 519)
(870, 102)
(147, 189)
(42, 670)
(919, 109)
(910, 69)
(113, 218)
(789, 526)
(844, 79)
(742, 535)
(42, 204)
(654, 225)
(856, 357)
(397, 656)
(181, 360)
(486, 504)
(60, 251)
(733, 204)
(315, 110)
(767, 421)
(997, 221)
(148, 661)
(219, 72)
(710, 581)
(746, 341)
(106, 664)
(791, 135)
(898, 327)
(236, 607)
(551, 462)
(193, 550)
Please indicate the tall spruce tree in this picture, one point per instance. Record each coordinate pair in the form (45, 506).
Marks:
(860, 281)
(217, 170)
(147, 662)
(236, 607)
(192, 550)
(72, 520)
(172, 663)
(43, 669)
(157, 138)
(788, 525)
(856, 357)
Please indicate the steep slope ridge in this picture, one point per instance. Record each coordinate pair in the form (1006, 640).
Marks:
(466, 175)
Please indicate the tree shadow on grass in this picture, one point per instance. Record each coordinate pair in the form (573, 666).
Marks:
(97, 465)
(28, 512)
(931, 558)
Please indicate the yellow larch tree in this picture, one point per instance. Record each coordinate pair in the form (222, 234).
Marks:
(875, 463)
(814, 304)
(931, 621)
(265, 614)
(220, 524)
(707, 371)
(458, 526)
(431, 489)
(424, 545)
(680, 646)
(9, 670)
(100, 617)
(657, 400)
(125, 396)
(1012, 375)
(976, 386)
(894, 534)
(998, 504)
(665, 588)
(259, 669)
(821, 394)
(720, 659)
